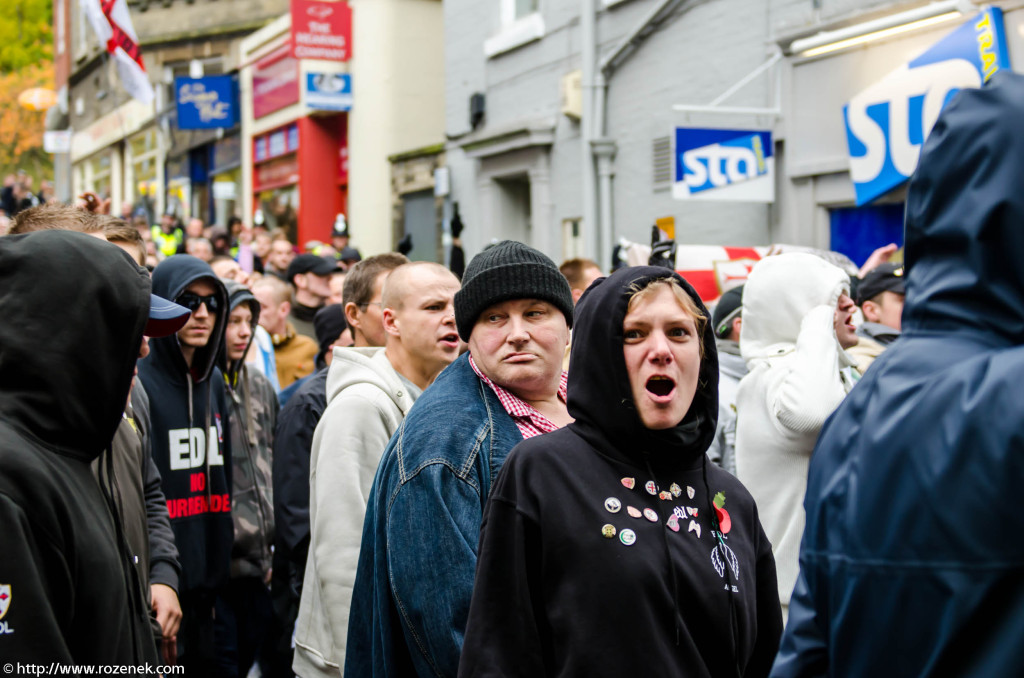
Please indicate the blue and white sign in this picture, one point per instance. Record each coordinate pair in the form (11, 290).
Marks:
(887, 123)
(206, 103)
(724, 164)
(329, 91)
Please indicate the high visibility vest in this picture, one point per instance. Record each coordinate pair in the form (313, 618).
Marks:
(166, 243)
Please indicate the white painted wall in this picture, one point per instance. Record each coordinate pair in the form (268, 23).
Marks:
(398, 94)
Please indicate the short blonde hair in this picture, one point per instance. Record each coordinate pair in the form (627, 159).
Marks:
(639, 292)
(280, 291)
(54, 216)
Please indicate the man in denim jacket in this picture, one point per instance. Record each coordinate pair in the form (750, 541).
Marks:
(418, 556)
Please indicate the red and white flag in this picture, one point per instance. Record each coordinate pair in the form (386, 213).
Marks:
(113, 25)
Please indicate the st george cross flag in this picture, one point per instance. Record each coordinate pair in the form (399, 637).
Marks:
(113, 26)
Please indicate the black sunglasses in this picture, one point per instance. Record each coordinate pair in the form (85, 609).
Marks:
(192, 301)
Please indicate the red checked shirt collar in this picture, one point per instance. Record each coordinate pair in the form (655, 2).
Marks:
(530, 422)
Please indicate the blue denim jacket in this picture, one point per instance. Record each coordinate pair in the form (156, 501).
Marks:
(417, 561)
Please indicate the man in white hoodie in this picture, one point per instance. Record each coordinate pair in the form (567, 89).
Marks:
(796, 326)
(369, 392)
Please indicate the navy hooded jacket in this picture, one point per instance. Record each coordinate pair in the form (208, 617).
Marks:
(192, 449)
(912, 562)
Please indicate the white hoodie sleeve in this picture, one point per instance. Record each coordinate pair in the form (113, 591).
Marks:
(347, 447)
(808, 388)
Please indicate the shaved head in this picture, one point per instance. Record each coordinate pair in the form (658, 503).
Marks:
(409, 277)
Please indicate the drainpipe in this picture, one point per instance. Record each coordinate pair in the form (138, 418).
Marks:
(588, 55)
(604, 150)
(600, 146)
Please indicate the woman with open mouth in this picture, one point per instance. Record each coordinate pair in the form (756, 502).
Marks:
(612, 547)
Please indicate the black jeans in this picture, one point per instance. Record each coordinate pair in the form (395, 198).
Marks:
(206, 644)
(248, 611)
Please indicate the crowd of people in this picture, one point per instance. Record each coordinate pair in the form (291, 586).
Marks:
(322, 464)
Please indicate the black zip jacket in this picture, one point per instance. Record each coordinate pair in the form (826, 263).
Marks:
(74, 310)
(293, 442)
(601, 553)
(192, 449)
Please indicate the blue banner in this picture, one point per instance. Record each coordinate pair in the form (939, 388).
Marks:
(329, 91)
(887, 123)
(206, 103)
(724, 164)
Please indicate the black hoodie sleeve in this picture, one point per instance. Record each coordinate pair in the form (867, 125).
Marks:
(769, 610)
(293, 441)
(508, 578)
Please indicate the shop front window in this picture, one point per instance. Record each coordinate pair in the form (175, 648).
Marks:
(99, 176)
(144, 151)
(179, 189)
(227, 188)
(280, 209)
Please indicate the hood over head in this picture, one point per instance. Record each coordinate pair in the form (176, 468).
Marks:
(238, 294)
(170, 279)
(600, 396)
(779, 292)
(965, 217)
(74, 308)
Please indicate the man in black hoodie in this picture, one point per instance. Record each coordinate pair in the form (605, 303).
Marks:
(191, 447)
(68, 345)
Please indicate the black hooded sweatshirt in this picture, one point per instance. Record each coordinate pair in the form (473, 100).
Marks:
(192, 449)
(583, 571)
(74, 308)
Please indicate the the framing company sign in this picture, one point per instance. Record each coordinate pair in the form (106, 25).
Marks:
(321, 30)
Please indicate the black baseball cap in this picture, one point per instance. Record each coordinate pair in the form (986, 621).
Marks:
(310, 263)
(882, 278)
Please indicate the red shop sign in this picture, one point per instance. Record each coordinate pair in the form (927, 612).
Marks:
(321, 29)
(275, 83)
(277, 173)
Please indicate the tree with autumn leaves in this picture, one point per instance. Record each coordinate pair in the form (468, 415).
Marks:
(26, 61)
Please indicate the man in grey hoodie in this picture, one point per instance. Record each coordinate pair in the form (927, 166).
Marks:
(369, 392)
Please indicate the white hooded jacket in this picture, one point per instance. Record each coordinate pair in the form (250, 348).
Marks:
(795, 382)
(367, 400)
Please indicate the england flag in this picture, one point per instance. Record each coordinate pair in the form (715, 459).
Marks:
(113, 25)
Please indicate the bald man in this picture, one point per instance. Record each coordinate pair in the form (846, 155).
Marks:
(369, 392)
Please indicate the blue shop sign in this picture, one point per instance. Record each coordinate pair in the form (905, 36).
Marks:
(329, 91)
(887, 123)
(724, 164)
(206, 103)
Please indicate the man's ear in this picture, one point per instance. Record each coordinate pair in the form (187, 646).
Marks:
(576, 294)
(391, 323)
(352, 314)
(299, 281)
(871, 311)
(737, 323)
(285, 308)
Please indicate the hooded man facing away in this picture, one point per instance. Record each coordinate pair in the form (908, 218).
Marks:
(911, 563)
(192, 449)
(796, 327)
(74, 309)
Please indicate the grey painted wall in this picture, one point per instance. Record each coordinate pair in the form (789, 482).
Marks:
(703, 49)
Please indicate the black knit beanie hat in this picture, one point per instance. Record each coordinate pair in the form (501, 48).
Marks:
(509, 270)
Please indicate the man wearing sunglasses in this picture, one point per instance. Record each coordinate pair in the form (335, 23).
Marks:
(191, 448)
